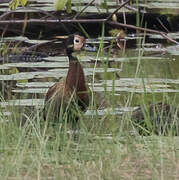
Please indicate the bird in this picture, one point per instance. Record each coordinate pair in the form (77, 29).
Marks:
(66, 98)
(158, 118)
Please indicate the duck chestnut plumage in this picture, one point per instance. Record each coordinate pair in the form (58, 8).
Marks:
(70, 95)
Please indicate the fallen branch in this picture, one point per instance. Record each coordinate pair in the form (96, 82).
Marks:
(122, 5)
(63, 21)
(143, 29)
(37, 21)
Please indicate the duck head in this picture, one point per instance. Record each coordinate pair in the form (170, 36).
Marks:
(76, 42)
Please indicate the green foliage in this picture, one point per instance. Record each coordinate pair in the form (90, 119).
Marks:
(13, 4)
(35, 150)
(60, 4)
(68, 6)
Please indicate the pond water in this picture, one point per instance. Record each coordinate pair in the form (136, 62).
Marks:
(148, 69)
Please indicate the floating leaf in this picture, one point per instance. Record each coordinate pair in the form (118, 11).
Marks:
(31, 90)
(39, 64)
(35, 84)
(31, 75)
(115, 111)
(60, 4)
(174, 50)
(23, 102)
(133, 89)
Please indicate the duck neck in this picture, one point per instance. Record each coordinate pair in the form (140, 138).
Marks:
(75, 77)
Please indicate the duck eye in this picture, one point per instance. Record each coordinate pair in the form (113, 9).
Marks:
(77, 40)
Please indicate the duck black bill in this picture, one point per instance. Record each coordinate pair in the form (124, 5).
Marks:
(87, 47)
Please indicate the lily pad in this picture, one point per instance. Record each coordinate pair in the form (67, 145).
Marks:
(110, 111)
(31, 75)
(38, 65)
(174, 50)
(57, 58)
(23, 102)
(141, 82)
(35, 84)
(31, 90)
(91, 71)
(40, 103)
(136, 90)
(4, 67)
(15, 38)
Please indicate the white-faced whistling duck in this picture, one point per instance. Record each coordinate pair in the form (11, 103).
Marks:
(159, 118)
(66, 97)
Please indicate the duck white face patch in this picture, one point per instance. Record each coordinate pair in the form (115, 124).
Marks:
(78, 42)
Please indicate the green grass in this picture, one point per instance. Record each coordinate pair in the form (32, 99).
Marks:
(104, 149)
